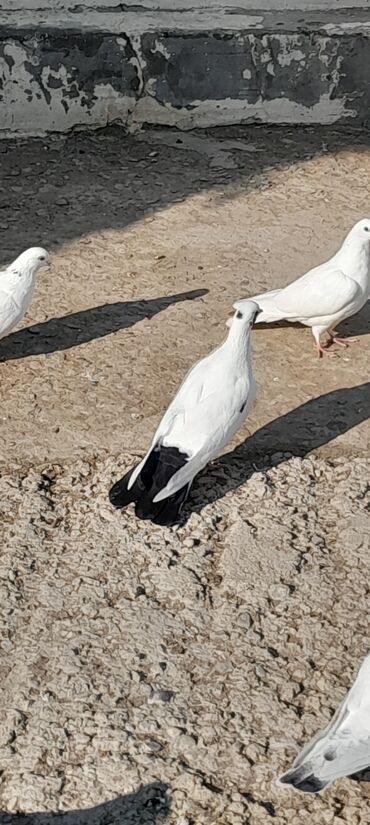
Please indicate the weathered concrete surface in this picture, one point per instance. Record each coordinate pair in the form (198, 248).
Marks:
(207, 7)
(53, 81)
(231, 216)
(190, 660)
(186, 661)
(92, 63)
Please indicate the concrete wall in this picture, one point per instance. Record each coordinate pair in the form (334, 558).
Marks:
(71, 63)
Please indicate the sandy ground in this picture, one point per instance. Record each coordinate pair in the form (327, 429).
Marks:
(152, 675)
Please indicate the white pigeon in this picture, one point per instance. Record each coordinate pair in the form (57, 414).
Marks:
(17, 284)
(209, 408)
(343, 748)
(327, 294)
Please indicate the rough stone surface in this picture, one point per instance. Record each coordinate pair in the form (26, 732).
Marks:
(155, 675)
(192, 658)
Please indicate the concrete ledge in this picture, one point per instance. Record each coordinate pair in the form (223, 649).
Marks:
(90, 67)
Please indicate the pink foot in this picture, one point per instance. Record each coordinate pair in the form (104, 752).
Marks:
(320, 350)
(343, 342)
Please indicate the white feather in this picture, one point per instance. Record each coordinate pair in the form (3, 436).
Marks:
(327, 294)
(343, 748)
(210, 406)
(17, 284)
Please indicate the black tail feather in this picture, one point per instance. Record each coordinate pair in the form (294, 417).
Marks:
(162, 463)
(120, 496)
(163, 512)
(145, 508)
(172, 506)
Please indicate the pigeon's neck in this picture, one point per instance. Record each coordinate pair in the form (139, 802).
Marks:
(239, 345)
(354, 259)
(24, 274)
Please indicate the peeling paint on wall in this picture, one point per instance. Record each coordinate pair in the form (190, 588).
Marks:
(280, 111)
(295, 77)
(53, 80)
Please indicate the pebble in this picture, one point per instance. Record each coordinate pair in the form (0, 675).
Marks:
(161, 695)
(279, 592)
(186, 742)
(245, 619)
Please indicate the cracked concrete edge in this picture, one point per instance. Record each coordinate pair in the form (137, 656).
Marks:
(207, 7)
(269, 5)
(118, 18)
(187, 17)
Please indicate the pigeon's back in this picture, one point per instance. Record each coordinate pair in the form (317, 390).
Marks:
(206, 410)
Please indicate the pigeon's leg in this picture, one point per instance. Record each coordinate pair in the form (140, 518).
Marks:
(343, 342)
(321, 350)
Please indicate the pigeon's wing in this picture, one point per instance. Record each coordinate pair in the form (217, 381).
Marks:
(201, 418)
(196, 385)
(201, 430)
(201, 382)
(264, 296)
(319, 293)
(9, 312)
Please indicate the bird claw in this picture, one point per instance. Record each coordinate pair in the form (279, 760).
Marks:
(343, 342)
(322, 351)
(333, 339)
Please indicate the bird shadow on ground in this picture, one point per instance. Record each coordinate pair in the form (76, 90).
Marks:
(306, 428)
(147, 806)
(86, 325)
(358, 324)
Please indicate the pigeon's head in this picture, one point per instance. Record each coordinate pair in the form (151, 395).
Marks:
(32, 260)
(361, 231)
(244, 313)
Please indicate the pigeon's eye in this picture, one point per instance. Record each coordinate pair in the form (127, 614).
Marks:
(366, 228)
(239, 314)
(42, 258)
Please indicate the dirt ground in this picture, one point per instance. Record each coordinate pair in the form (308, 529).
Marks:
(156, 675)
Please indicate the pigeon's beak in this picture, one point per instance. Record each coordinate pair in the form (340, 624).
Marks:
(256, 314)
(230, 315)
